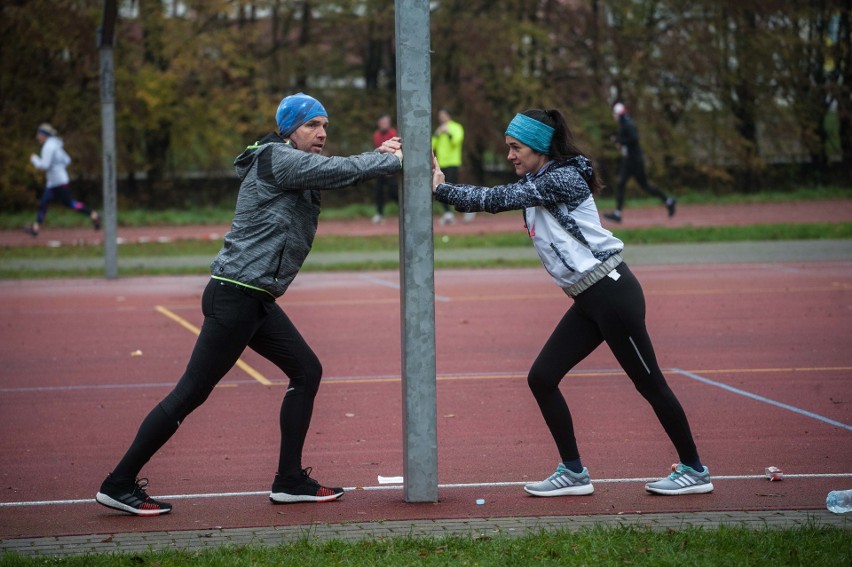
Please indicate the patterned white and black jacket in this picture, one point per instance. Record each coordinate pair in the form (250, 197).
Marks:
(560, 215)
(278, 207)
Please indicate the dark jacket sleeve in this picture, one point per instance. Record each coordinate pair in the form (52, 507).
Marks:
(296, 170)
(559, 185)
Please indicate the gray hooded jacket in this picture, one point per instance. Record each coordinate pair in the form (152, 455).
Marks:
(278, 206)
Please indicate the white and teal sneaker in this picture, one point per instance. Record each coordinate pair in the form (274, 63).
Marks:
(683, 480)
(563, 483)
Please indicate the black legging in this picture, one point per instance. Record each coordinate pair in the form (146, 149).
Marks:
(233, 320)
(61, 193)
(611, 311)
(389, 182)
(634, 166)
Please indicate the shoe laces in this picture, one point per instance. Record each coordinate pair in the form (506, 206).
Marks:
(678, 470)
(561, 470)
(141, 485)
(306, 472)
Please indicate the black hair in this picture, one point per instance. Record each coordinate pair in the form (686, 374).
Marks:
(562, 147)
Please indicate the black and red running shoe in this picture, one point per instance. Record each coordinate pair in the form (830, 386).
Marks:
(131, 498)
(301, 489)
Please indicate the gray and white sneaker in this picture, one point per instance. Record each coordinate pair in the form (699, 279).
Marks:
(563, 483)
(683, 480)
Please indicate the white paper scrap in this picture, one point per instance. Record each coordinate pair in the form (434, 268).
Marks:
(390, 479)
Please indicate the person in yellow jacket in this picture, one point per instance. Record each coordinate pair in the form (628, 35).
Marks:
(447, 144)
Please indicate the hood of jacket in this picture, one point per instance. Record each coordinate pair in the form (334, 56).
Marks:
(273, 227)
(243, 162)
(581, 163)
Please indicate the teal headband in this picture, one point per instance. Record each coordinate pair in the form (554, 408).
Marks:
(531, 132)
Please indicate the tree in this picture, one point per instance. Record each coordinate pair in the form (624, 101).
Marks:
(723, 90)
(842, 54)
(48, 73)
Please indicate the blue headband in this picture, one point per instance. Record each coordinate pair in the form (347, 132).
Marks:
(531, 132)
(295, 110)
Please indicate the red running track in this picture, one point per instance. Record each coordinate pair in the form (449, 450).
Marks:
(735, 340)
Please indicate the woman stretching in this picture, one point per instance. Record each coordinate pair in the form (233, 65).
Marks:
(556, 194)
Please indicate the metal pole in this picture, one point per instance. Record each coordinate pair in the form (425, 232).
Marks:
(110, 220)
(417, 275)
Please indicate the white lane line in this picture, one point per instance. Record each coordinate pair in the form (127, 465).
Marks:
(762, 399)
(400, 487)
(448, 376)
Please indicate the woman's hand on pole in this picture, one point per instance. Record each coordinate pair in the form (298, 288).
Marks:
(437, 174)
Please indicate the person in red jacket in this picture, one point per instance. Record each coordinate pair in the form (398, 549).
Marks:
(384, 132)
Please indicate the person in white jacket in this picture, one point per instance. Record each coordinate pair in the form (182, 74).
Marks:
(556, 195)
(55, 160)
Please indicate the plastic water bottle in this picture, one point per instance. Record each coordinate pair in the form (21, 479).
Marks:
(839, 501)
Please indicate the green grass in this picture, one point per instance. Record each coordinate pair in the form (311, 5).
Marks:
(329, 243)
(688, 234)
(734, 546)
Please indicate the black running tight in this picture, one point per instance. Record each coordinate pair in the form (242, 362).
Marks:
(634, 167)
(61, 193)
(232, 321)
(612, 311)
